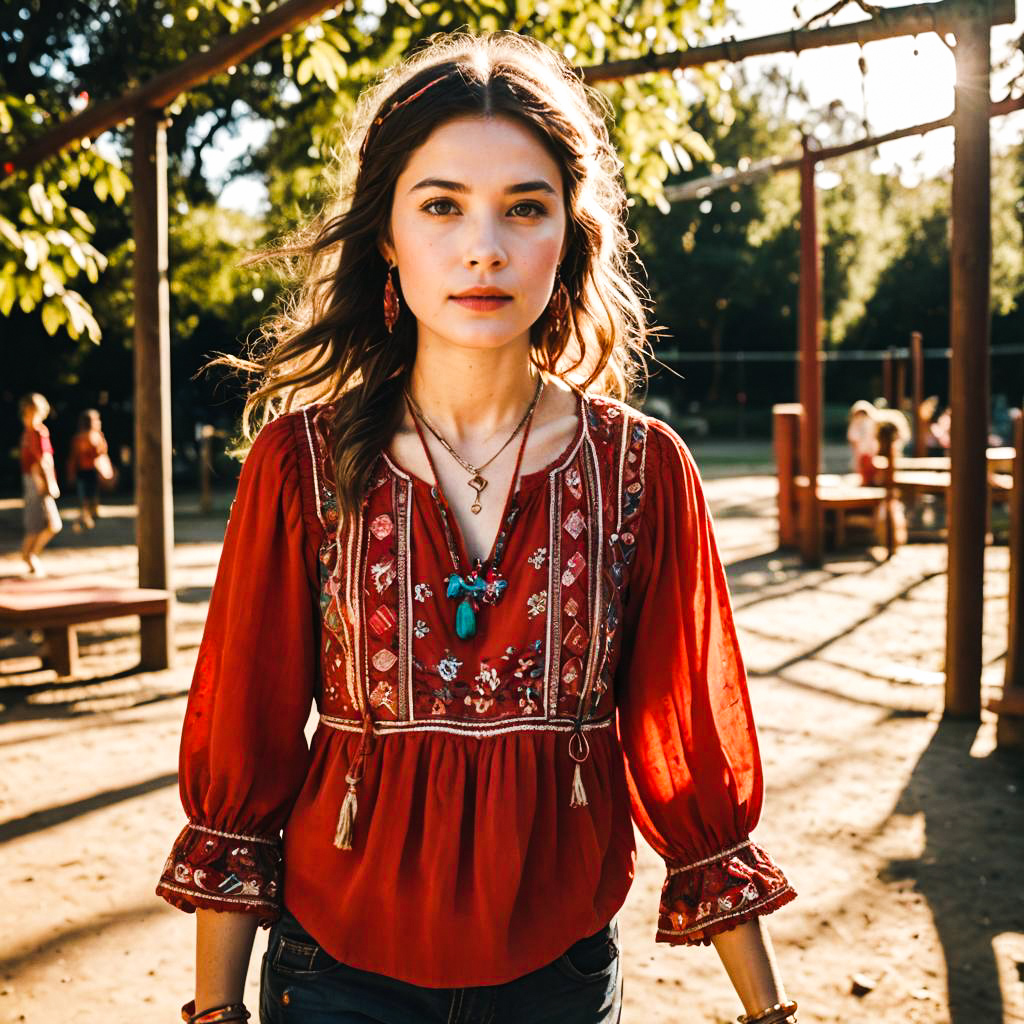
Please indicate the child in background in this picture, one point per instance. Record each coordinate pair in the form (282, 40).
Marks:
(862, 433)
(39, 481)
(87, 464)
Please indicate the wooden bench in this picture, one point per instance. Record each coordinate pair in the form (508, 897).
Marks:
(56, 606)
(840, 499)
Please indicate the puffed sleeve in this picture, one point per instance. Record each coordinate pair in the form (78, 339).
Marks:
(243, 753)
(685, 720)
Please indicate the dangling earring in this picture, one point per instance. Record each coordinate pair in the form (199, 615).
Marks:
(558, 305)
(391, 304)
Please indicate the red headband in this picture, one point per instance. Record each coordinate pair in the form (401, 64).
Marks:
(381, 118)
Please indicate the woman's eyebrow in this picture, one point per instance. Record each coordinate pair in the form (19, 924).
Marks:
(456, 186)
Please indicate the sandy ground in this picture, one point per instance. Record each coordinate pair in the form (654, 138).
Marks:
(903, 834)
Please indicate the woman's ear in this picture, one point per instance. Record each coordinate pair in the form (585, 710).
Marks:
(386, 250)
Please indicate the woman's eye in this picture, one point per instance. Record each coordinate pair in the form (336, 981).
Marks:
(439, 207)
(528, 209)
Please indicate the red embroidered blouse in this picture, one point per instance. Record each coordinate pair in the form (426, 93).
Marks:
(475, 856)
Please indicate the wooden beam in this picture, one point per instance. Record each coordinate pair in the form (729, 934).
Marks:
(698, 188)
(153, 495)
(970, 259)
(810, 372)
(887, 23)
(161, 89)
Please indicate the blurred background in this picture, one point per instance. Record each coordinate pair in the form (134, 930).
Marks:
(248, 150)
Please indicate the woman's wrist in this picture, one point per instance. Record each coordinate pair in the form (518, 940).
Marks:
(214, 1014)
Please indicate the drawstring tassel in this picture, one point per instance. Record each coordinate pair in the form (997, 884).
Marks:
(579, 794)
(347, 816)
(345, 831)
(579, 751)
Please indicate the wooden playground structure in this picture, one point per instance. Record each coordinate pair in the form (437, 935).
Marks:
(969, 21)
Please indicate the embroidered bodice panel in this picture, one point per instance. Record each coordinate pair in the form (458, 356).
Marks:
(544, 654)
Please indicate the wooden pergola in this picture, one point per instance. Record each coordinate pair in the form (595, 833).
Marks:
(970, 21)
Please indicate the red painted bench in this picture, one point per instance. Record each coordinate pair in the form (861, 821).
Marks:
(56, 606)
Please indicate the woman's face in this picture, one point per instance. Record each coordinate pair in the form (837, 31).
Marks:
(478, 207)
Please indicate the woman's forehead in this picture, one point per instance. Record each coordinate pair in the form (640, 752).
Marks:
(481, 152)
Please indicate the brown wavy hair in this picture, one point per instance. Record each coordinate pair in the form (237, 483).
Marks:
(329, 343)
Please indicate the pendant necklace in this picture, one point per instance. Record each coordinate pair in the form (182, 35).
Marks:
(483, 584)
(477, 480)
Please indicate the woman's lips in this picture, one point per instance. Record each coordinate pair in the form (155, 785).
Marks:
(482, 303)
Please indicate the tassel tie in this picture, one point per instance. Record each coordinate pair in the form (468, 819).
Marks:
(579, 751)
(350, 805)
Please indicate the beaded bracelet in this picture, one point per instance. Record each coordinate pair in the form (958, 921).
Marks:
(777, 1014)
(214, 1015)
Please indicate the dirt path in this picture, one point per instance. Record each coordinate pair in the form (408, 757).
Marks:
(903, 835)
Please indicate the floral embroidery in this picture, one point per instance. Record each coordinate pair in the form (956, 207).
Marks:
(422, 591)
(572, 481)
(488, 676)
(383, 574)
(420, 630)
(382, 526)
(381, 697)
(448, 667)
(442, 698)
(384, 660)
(537, 604)
(575, 524)
(538, 558)
(528, 698)
(531, 662)
(573, 569)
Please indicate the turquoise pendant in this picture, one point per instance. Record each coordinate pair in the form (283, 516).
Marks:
(465, 620)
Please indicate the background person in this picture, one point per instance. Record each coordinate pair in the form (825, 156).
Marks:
(41, 519)
(88, 464)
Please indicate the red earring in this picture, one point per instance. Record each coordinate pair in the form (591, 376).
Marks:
(391, 304)
(558, 306)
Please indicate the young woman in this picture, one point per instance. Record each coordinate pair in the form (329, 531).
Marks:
(88, 463)
(41, 520)
(497, 582)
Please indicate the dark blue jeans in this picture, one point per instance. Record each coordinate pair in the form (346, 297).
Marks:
(300, 983)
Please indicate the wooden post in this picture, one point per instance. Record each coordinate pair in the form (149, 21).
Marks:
(810, 366)
(206, 432)
(917, 389)
(900, 391)
(970, 258)
(786, 437)
(887, 388)
(1010, 707)
(155, 524)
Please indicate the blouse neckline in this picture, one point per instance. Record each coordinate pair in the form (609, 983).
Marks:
(527, 481)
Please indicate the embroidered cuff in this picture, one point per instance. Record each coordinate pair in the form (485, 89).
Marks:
(223, 871)
(719, 892)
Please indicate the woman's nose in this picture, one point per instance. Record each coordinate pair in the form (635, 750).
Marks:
(484, 247)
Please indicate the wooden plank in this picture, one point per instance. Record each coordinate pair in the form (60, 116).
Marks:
(152, 464)
(970, 259)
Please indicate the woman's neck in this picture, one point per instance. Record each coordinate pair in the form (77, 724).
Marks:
(470, 395)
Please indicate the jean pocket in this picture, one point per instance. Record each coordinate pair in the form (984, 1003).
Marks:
(593, 958)
(296, 958)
